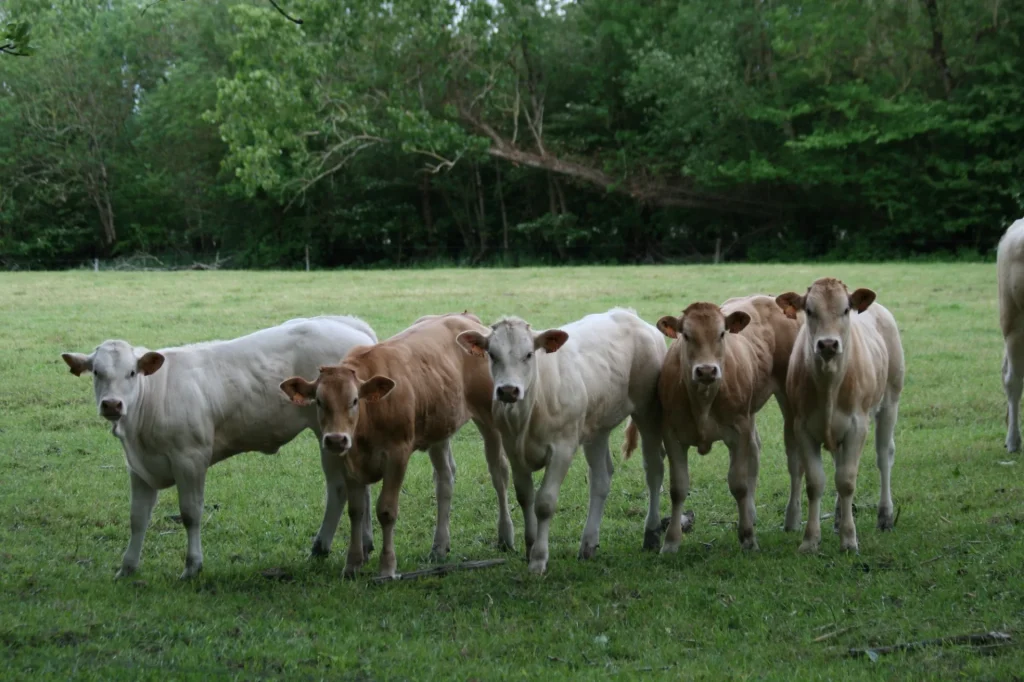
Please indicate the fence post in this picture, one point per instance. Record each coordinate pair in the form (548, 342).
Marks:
(95, 264)
(307, 257)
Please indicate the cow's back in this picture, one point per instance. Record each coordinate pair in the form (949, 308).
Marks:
(429, 401)
(1010, 273)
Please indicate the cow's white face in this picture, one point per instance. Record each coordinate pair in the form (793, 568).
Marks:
(117, 370)
(827, 306)
(511, 348)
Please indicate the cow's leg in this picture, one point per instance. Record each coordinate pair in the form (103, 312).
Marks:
(387, 509)
(814, 471)
(358, 510)
(444, 484)
(885, 453)
(793, 463)
(522, 479)
(546, 504)
(847, 463)
(743, 469)
(654, 472)
(497, 465)
(334, 478)
(1013, 384)
(190, 477)
(679, 488)
(599, 461)
(143, 500)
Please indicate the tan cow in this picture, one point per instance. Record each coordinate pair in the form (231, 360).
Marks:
(1010, 269)
(845, 370)
(724, 365)
(411, 392)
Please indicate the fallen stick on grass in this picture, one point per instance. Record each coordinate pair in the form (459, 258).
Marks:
(441, 570)
(978, 638)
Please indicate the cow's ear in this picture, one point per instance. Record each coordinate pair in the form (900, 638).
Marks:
(861, 299)
(473, 342)
(550, 340)
(376, 388)
(790, 302)
(299, 391)
(737, 322)
(150, 363)
(78, 362)
(669, 326)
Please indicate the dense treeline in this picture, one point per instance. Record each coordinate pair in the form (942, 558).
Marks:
(509, 131)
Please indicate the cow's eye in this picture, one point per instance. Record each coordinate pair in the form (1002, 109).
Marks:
(529, 355)
(847, 311)
(132, 374)
(722, 334)
(318, 403)
(810, 313)
(355, 402)
(686, 337)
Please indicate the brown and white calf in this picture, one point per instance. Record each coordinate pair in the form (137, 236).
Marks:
(723, 366)
(179, 411)
(411, 392)
(1010, 272)
(847, 367)
(558, 389)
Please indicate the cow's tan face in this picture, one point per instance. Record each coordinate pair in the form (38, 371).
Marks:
(702, 329)
(337, 393)
(117, 370)
(827, 306)
(511, 348)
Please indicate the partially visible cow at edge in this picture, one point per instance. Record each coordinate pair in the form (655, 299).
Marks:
(1010, 270)
(847, 367)
(723, 366)
(411, 392)
(557, 389)
(178, 411)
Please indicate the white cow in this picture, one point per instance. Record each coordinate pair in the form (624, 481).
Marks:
(547, 404)
(178, 411)
(1010, 269)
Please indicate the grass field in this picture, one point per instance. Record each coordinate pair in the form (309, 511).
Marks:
(955, 563)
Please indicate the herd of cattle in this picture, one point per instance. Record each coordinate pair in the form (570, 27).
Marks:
(833, 360)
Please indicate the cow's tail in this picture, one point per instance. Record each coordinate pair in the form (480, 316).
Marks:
(632, 439)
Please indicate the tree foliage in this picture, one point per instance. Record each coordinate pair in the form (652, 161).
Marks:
(511, 130)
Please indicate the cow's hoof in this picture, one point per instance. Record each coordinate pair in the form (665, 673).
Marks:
(587, 551)
(538, 566)
(317, 551)
(749, 544)
(350, 572)
(191, 570)
(505, 546)
(849, 546)
(885, 519)
(124, 572)
(652, 540)
(438, 555)
(809, 546)
(671, 546)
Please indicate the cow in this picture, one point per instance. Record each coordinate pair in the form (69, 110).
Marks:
(411, 392)
(845, 369)
(724, 363)
(557, 389)
(1010, 271)
(178, 411)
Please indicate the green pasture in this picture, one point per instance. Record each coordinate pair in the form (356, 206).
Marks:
(954, 565)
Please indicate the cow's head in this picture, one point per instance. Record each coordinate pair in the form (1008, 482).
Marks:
(702, 328)
(117, 374)
(827, 306)
(337, 392)
(511, 347)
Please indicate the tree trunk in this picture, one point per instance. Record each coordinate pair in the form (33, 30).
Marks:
(938, 48)
(481, 214)
(504, 215)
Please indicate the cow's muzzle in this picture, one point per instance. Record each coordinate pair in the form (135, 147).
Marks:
(338, 443)
(827, 348)
(111, 408)
(507, 394)
(706, 374)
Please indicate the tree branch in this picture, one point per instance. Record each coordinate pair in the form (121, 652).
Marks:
(285, 14)
(11, 49)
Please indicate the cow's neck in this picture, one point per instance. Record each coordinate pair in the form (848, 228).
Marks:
(516, 418)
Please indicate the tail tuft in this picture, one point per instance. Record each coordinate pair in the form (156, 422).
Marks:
(632, 439)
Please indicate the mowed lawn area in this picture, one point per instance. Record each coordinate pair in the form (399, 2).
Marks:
(955, 563)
